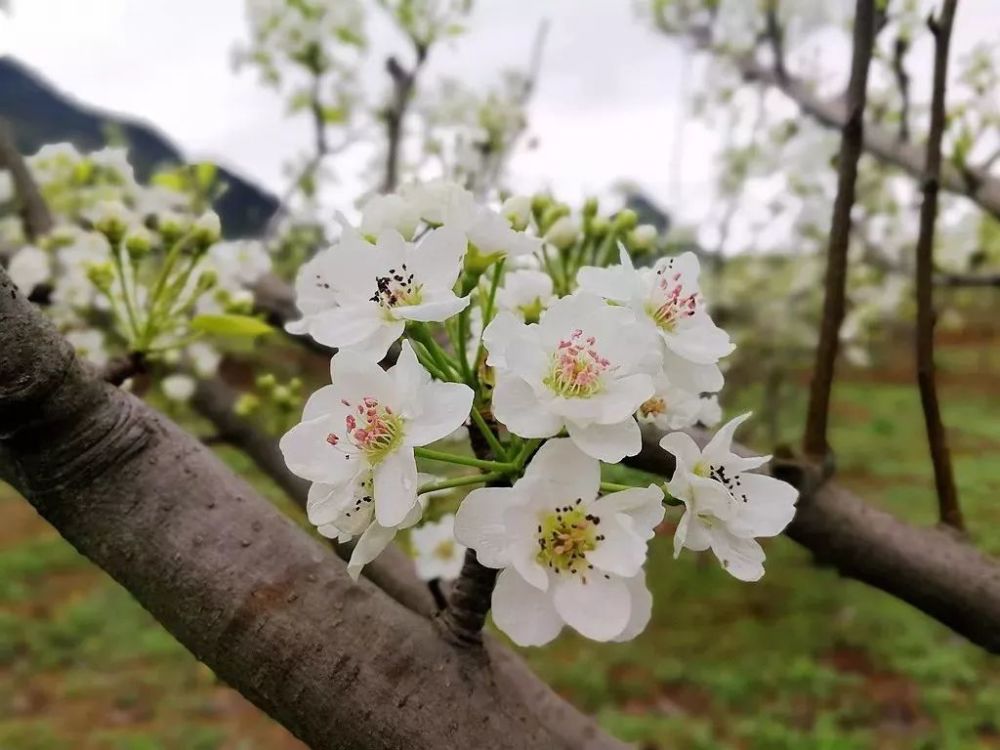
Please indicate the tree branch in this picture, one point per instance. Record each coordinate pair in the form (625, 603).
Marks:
(35, 216)
(948, 507)
(976, 183)
(403, 84)
(815, 438)
(264, 606)
(899, 51)
(933, 569)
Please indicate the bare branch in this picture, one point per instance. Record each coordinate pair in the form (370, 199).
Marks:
(899, 51)
(35, 216)
(815, 438)
(934, 569)
(775, 38)
(949, 510)
(967, 280)
(403, 84)
(266, 607)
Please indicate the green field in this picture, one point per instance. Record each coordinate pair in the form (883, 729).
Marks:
(802, 659)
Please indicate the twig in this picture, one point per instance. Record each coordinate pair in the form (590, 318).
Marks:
(900, 49)
(815, 439)
(403, 84)
(775, 36)
(120, 369)
(35, 215)
(949, 510)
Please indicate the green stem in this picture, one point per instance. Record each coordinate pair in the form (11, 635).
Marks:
(614, 487)
(526, 450)
(495, 445)
(444, 363)
(425, 359)
(129, 308)
(463, 335)
(452, 458)
(154, 297)
(488, 311)
(459, 482)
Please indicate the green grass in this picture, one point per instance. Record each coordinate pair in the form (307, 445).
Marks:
(801, 660)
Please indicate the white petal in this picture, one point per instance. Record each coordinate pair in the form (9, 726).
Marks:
(768, 509)
(500, 335)
(691, 534)
(346, 326)
(598, 609)
(523, 612)
(607, 442)
(444, 306)
(309, 455)
(370, 545)
(742, 558)
(563, 464)
(683, 448)
(644, 505)
(720, 446)
(479, 524)
(354, 377)
(443, 408)
(641, 608)
(409, 376)
(519, 410)
(375, 347)
(703, 345)
(622, 551)
(395, 487)
(437, 260)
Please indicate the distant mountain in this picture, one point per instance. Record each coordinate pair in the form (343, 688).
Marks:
(39, 114)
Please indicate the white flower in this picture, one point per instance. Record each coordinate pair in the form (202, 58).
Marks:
(526, 293)
(563, 232)
(643, 236)
(204, 358)
(566, 556)
(239, 263)
(668, 301)
(670, 407)
(357, 296)
(30, 267)
(357, 437)
(725, 506)
(438, 554)
(710, 413)
(517, 210)
(584, 368)
(389, 212)
(89, 344)
(178, 388)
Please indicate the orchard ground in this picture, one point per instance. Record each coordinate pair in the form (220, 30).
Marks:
(803, 659)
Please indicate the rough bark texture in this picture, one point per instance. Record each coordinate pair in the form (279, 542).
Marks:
(949, 510)
(933, 569)
(267, 607)
(814, 441)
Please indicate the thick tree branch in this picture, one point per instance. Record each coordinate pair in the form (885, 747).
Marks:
(815, 438)
(264, 605)
(35, 216)
(949, 510)
(933, 569)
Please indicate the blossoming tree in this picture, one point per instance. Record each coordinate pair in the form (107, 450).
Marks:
(517, 348)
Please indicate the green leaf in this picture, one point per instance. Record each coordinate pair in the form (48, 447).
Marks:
(230, 325)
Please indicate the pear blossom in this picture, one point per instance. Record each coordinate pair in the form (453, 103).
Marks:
(392, 211)
(347, 510)
(726, 506)
(585, 367)
(358, 296)
(517, 210)
(356, 438)
(30, 267)
(89, 344)
(709, 413)
(563, 232)
(179, 388)
(667, 299)
(239, 263)
(670, 407)
(526, 293)
(566, 556)
(438, 555)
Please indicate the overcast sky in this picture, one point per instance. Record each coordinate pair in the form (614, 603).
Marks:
(608, 106)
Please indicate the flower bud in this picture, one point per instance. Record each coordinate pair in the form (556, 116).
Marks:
(643, 237)
(517, 210)
(563, 232)
(590, 207)
(138, 242)
(172, 226)
(539, 203)
(626, 219)
(207, 230)
(551, 215)
(599, 226)
(239, 302)
(101, 275)
(111, 220)
(266, 382)
(246, 405)
(207, 280)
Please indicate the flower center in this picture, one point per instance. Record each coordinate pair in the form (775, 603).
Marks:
(397, 288)
(565, 536)
(445, 550)
(732, 484)
(653, 407)
(668, 304)
(374, 430)
(577, 367)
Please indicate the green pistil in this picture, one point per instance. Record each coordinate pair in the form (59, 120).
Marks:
(565, 536)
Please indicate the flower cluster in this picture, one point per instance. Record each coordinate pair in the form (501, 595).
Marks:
(515, 323)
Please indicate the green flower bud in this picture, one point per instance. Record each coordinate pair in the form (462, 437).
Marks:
(207, 230)
(246, 405)
(643, 237)
(599, 226)
(538, 205)
(281, 394)
(590, 207)
(626, 219)
(266, 382)
(101, 275)
(551, 215)
(207, 280)
(563, 233)
(138, 242)
(172, 226)
(517, 210)
(111, 220)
